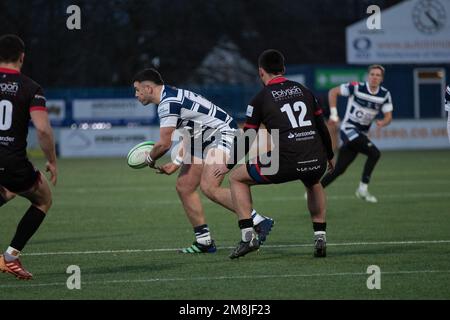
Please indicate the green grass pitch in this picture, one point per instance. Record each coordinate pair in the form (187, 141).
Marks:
(122, 228)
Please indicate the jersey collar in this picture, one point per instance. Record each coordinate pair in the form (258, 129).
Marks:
(372, 93)
(276, 80)
(9, 71)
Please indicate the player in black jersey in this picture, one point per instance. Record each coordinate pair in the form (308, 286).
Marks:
(22, 100)
(303, 150)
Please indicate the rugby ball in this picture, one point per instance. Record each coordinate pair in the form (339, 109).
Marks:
(136, 156)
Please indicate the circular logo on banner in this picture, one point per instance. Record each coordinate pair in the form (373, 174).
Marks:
(362, 44)
(429, 16)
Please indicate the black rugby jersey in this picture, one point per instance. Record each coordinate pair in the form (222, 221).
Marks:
(292, 109)
(19, 95)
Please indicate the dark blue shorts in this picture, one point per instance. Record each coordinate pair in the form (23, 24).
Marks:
(309, 173)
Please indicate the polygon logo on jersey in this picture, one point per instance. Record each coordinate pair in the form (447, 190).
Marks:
(9, 87)
(287, 93)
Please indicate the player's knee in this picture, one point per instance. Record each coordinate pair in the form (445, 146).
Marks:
(339, 170)
(44, 205)
(183, 188)
(237, 177)
(233, 178)
(47, 206)
(375, 154)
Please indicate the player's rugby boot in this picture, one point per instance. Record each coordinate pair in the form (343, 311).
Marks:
(263, 229)
(15, 268)
(200, 248)
(245, 247)
(366, 196)
(320, 246)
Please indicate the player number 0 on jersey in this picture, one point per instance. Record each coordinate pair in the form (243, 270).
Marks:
(298, 106)
(6, 109)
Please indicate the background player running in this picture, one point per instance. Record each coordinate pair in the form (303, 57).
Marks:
(365, 101)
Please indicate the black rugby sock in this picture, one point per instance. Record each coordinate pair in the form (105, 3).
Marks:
(27, 227)
(319, 226)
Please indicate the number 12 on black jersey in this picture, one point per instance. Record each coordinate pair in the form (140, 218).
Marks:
(298, 106)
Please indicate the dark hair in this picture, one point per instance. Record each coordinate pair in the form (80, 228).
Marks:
(272, 61)
(149, 75)
(11, 47)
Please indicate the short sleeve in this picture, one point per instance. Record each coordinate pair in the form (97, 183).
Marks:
(254, 113)
(317, 108)
(347, 89)
(387, 106)
(38, 101)
(169, 113)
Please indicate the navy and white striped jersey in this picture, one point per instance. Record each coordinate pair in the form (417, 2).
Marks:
(181, 108)
(447, 99)
(363, 106)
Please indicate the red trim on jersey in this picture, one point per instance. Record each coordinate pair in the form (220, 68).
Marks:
(276, 80)
(250, 126)
(9, 71)
(354, 83)
(38, 108)
(318, 112)
(258, 169)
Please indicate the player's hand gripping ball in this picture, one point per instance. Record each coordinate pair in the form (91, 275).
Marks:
(136, 158)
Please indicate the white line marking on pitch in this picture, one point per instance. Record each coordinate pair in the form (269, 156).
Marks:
(442, 195)
(341, 274)
(112, 188)
(220, 248)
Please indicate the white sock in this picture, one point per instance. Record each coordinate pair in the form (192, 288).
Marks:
(257, 218)
(247, 234)
(320, 234)
(363, 186)
(11, 254)
(203, 237)
(204, 240)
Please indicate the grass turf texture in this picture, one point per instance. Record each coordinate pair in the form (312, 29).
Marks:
(135, 220)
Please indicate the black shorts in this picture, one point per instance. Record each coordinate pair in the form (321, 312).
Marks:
(309, 173)
(18, 176)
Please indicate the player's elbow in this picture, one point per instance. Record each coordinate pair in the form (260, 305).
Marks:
(334, 92)
(388, 120)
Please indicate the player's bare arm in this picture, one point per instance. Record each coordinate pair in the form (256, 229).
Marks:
(46, 141)
(162, 146)
(385, 121)
(330, 165)
(332, 99)
(171, 167)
